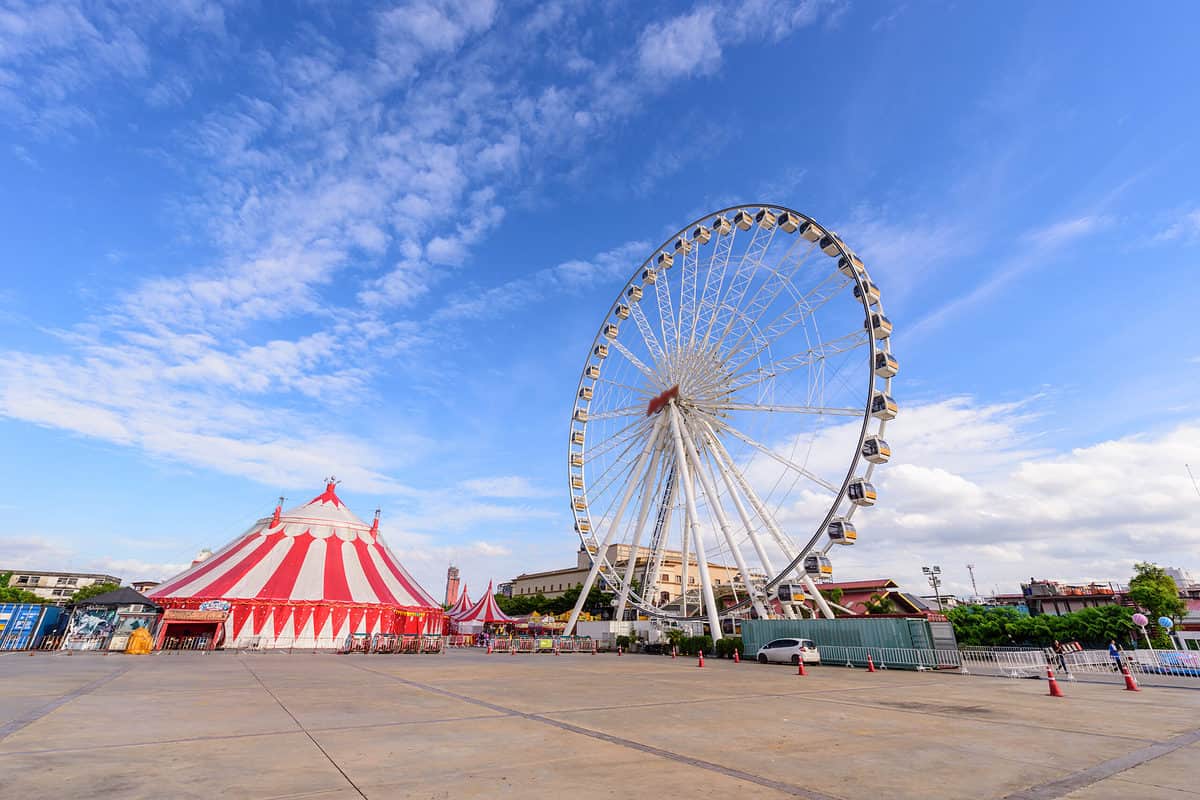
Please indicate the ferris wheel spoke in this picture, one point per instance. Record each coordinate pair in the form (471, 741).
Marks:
(748, 265)
(817, 410)
(643, 326)
(767, 451)
(714, 278)
(630, 431)
(637, 362)
(777, 279)
(687, 292)
(649, 486)
(787, 321)
(806, 358)
(666, 313)
(626, 411)
(642, 390)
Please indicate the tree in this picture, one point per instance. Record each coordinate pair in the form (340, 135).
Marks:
(15, 594)
(879, 604)
(598, 602)
(88, 592)
(1155, 592)
(1002, 626)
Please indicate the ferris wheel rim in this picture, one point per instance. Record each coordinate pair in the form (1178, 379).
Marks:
(874, 345)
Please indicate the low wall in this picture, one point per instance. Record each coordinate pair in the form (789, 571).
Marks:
(879, 632)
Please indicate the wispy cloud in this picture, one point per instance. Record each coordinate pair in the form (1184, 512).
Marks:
(1185, 229)
(505, 486)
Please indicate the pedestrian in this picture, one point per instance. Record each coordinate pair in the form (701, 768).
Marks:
(1060, 651)
(1114, 653)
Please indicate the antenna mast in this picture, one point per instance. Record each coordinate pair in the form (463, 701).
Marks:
(1195, 485)
(974, 588)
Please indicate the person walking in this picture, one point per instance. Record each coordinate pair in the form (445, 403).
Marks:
(1114, 653)
(1061, 653)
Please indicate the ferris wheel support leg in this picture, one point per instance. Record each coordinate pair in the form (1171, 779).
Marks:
(689, 494)
(714, 502)
(818, 598)
(655, 564)
(761, 510)
(685, 561)
(631, 564)
(761, 551)
(612, 530)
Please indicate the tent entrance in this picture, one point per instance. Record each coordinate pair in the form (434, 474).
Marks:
(190, 635)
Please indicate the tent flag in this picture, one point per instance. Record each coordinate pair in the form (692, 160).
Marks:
(372, 619)
(241, 613)
(356, 617)
(320, 617)
(300, 618)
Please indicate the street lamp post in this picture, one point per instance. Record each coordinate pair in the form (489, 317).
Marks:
(934, 574)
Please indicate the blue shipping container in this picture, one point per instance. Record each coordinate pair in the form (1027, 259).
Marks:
(23, 624)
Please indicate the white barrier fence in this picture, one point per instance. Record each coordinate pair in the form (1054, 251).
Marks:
(1149, 667)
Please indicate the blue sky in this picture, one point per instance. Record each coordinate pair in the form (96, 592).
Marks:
(247, 247)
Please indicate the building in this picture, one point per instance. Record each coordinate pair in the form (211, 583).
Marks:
(668, 588)
(56, 586)
(1053, 597)
(856, 594)
(1183, 578)
(143, 586)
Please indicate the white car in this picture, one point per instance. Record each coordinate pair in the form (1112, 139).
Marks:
(789, 651)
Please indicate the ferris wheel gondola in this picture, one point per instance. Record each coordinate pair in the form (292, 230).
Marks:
(734, 402)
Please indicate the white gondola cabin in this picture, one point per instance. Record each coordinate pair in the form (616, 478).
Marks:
(701, 234)
(592, 372)
(683, 246)
(871, 292)
(583, 526)
(818, 566)
(765, 218)
(884, 407)
(649, 276)
(581, 415)
(622, 311)
(600, 350)
(861, 493)
(635, 293)
(811, 231)
(577, 460)
(880, 325)
(577, 438)
(849, 265)
(577, 482)
(585, 393)
(842, 531)
(722, 226)
(886, 365)
(876, 450)
(789, 222)
(579, 503)
(665, 260)
(611, 331)
(743, 220)
(829, 244)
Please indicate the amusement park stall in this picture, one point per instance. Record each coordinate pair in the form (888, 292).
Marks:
(106, 621)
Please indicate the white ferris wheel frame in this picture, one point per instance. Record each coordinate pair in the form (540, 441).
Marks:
(663, 431)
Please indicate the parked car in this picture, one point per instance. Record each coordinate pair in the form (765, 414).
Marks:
(789, 651)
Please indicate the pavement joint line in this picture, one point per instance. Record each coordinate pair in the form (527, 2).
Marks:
(222, 737)
(311, 738)
(1051, 790)
(30, 717)
(785, 788)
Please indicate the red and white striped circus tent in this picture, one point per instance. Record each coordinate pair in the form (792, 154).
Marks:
(307, 577)
(461, 606)
(484, 611)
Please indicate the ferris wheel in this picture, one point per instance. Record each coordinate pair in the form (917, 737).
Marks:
(729, 417)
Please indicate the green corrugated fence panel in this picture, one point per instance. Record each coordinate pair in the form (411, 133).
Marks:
(844, 632)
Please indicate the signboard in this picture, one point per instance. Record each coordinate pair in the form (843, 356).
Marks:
(215, 605)
(193, 615)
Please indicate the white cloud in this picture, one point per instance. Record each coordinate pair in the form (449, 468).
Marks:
(1066, 231)
(50, 553)
(1186, 228)
(682, 46)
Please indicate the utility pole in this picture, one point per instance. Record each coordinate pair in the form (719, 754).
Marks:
(974, 588)
(934, 575)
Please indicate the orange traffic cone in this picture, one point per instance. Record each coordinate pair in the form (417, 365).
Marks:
(512, 648)
(800, 668)
(870, 663)
(1130, 683)
(700, 663)
(736, 658)
(489, 652)
(1054, 690)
